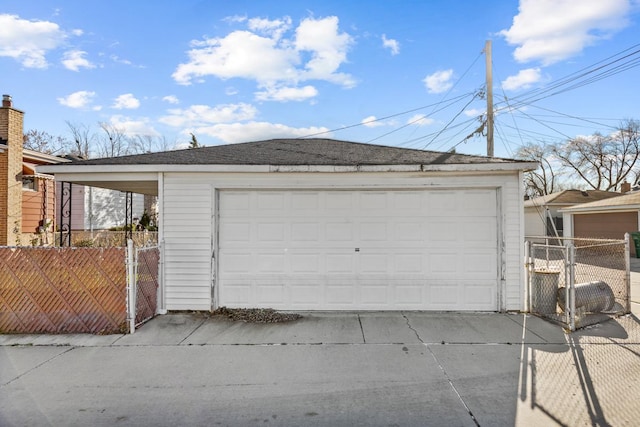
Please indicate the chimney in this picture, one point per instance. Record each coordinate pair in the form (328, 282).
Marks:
(6, 101)
(11, 134)
(625, 187)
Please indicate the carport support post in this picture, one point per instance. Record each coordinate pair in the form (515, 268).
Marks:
(131, 284)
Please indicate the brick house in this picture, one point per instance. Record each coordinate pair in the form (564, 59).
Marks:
(27, 198)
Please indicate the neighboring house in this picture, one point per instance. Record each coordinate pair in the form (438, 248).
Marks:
(320, 224)
(94, 208)
(542, 216)
(608, 219)
(27, 198)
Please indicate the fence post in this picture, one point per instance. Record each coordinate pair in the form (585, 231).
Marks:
(160, 306)
(131, 285)
(627, 276)
(527, 276)
(571, 249)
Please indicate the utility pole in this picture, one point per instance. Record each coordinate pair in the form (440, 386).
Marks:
(487, 54)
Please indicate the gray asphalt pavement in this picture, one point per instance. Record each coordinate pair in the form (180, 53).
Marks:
(333, 369)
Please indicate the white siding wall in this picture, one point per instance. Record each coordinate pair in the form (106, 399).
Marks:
(188, 216)
(533, 222)
(105, 208)
(187, 223)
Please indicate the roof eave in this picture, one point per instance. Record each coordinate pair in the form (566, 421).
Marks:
(474, 167)
(589, 209)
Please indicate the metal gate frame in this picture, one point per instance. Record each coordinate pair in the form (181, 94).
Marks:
(143, 295)
(558, 266)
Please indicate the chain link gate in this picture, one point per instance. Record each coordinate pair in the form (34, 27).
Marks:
(143, 280)
(578, 282)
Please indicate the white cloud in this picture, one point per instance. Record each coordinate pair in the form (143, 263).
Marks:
(74, 60)
(282, 94)
(171, 99)
(392, 44)
(552, 30)
(439, 82)
(420, 120)
(80, 99)
(131, 127)
(28, 41)
(126, 101)
(273, 28)
(523, 80)
(372, 122)
(254, 131)
(328, 49)
(474, 112)
(314, 51)
(203, 115)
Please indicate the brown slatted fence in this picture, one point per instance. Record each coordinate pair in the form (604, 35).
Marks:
(62, 290)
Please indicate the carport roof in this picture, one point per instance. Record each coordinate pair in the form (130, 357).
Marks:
(296, 152)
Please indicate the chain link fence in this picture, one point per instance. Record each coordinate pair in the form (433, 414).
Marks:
(147, 283)
(578, 282)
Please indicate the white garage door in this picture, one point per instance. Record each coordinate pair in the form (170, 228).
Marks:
(358, 250)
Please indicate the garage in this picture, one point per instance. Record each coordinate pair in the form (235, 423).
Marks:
(605, 219)
(605, 225)
(324, 224)
(359, 250)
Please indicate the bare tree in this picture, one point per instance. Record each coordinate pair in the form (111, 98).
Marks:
(603, 162)
(545, 179)
(83, 138)
(44, 142)
(114, 141)
(148, 144)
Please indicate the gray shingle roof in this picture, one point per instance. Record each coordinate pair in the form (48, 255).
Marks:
(295, 152)
(630, 199)
(570, 197)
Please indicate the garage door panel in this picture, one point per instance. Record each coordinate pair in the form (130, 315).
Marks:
(335, 250)
(409, 294)
(374, 294)
(339, 231)
(270, 200)
(306, 263)
(373, 263)
(478, 294)
(305, 231)
(444, 293)
(409, 263)
(339, 263)
(338, 202)
(270, 263)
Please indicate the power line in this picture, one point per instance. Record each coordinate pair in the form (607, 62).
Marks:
(383, 118)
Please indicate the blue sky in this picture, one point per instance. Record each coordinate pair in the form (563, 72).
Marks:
(400, 73)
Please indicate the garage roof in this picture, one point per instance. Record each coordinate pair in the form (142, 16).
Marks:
(296, 152)
(624, 202)
(570, 197)
(139, 173)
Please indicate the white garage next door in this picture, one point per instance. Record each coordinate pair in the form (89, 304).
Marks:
(358, 250)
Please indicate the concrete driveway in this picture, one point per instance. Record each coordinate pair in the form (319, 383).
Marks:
(337, 369)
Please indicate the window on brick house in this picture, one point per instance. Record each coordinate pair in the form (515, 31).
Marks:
(29, 183)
